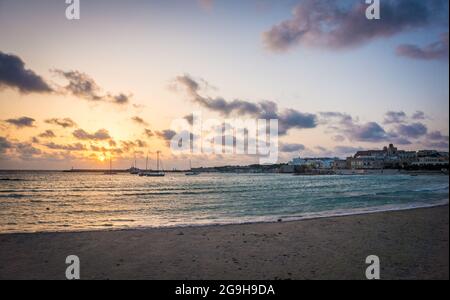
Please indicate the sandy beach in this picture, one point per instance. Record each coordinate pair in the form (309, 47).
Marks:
(411, 244)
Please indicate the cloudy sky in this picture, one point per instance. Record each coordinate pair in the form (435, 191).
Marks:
(74, 93)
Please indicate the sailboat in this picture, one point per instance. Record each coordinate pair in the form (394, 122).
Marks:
(134, 170)
(158, 173)
(110, 172)
(190, 172)
(142, 173)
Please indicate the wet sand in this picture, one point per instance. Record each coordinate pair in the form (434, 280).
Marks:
(411, 244)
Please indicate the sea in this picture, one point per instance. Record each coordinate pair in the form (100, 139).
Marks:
(72, 202)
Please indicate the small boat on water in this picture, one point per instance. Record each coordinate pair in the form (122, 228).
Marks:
(190, 172)
(157, 173)
(134, 169)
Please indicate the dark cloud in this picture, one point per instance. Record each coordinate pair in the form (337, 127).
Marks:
(189, 119)
(148, 133)
(444, 146)
(346, 151)
(434, 51)
(83, 86)
(121, 99)
(401, 141)
(112, 143)
(437, 140)
(394, 117)
(64, 123)
(419, 115)
(347, 127)
(47, 134)
(26, 151)
(128, 146)
(437, 136)
(368, 132)
(100, 135)
(13, 74)
(4, 145)
(21, 122)
(139, 121)
(336, 24)
(71, 147)
(287, 119)
(116, 151)
(415, 130)
(166, 135)
(290, 148)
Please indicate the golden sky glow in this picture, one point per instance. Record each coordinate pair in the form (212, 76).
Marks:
(134, 53)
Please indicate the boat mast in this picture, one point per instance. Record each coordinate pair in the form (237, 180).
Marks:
(157, 161)
(146, 162)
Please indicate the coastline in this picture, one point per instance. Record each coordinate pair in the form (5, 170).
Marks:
(412, 244)
(261, 220)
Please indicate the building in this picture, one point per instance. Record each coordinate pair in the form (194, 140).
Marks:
(340, 164)
(365, 162)
(431, 158)
(314, 163)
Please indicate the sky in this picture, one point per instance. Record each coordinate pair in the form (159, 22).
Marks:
(75, 93)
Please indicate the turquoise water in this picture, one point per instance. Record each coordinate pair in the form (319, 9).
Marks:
(42, 202)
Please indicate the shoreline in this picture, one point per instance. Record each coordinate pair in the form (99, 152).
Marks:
(412, 244)
(270, 220)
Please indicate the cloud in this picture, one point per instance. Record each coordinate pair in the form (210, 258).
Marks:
(139, 121)
(47, 134)
(338, 138)
(394, 117)
(189, 119)
(444, 146)
(437, 140)
(289, 148)
(346, 126)
(166, 135)
(85, 87)
(419, 115)
(346, 150)
(434, 51)
(64, 123)
(71, 147)
(335, 24)
(21, 122)
(128, 146)
(100, 135)
(399, 140)
(415, 130)
(120, 99)
(13, 74)
(368, 132)
(287, 119)
(4, 145)
(437, 136)
(148, 133)
(26, 151)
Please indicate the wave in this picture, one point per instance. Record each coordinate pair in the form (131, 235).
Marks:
(15, 196)
(433, 189)
(12, 179)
